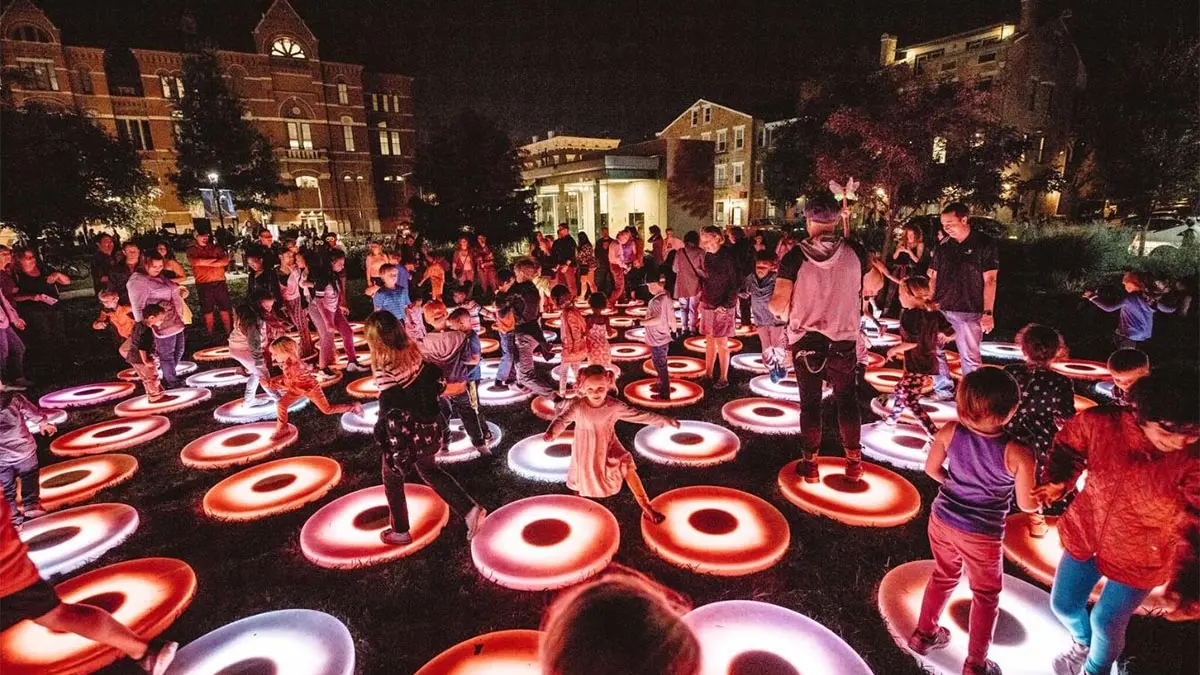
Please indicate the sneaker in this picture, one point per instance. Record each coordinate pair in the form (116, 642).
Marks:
(653, 516)
(988, 667)
(394, 538)
(158, 657)
(356, 367)
(942, 396)
(777, 374)
(1071, 662)
(720, 384)
(475, 518)
(923, 643)
(854, 465)
(808, 470)
(35, 512)
(500, 386)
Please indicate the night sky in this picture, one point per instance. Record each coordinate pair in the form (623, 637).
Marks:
(623, 68)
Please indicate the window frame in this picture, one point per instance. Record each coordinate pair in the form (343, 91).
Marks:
(707, 114)
(348, 133)
(279, 48)
(737, 173)
(722, 140)
(739, 137)
(343, 94)
(47, 67)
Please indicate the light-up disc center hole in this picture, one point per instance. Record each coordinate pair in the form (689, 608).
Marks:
(52, 538)
(245, 438)
(839, 483)
(271, 483)
(91, 391)
(558, 450)
(766, 411)
(760, 663)
(910, 442)
(112, 431)
(374, 518)
(66, 478)
(687, 438)
(713, 521)
(255, 665)
(1009, 631)
(457, 436)
(546, 532)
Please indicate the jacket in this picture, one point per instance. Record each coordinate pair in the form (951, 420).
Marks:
(16, 440)
(145, 289)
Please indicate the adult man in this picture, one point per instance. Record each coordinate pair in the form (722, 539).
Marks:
(963, 273)
(208, 261)
(526, 305)
(102, 262)
(619, 263)
(719, 285)
(562, 253)
(818, 292)
(265, 249)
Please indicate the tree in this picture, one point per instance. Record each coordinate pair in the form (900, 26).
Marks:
(470, 176)
(214, 135)
(59, 171)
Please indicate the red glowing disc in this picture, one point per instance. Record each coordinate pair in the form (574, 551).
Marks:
(763, 415)
(553, 323)
(753, 362)
(1077, 369)
(231, 446)
(271, 488)
(229, 376)
(364, 389)
(743, 331)
(941, 412)
(683, 393)
(628, 351)
(220, 353)
(885, 379)
(692, 444)
(623, 322)
(237, 412)
(69, 539)
(544, 542)
(87, 394)
(344, 533)
(489, 345)
(1083, 403)
(717, 530)
(543, 407)
(880, 499)
(506, 652)
(636, 334)
(173, 400)
(78, 480)
(875, 360)
(109, 436)
(698, 344)
(145, 595)
(326, 381)
(682, 367)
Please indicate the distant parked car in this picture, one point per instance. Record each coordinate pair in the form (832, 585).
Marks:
(1167, 232)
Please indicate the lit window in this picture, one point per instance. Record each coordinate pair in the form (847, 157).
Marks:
(762, 174)
(722, 140)
(348, 133)
(396, 143)
(737, 173)
(40, 74)
(707, 114)
(387, 179)
(287, 47)
(719, 175)
(695, 117)
(343, 94)
(306, 182)
(762, 138)
(739, 137)
(1041, 149)
(395, 103)
(384, 148)
(387, 103)
(706, 136)
(939, 149)
(136, 133)
(299, 136)
(172, 86)
(375, 102)
(719, 213)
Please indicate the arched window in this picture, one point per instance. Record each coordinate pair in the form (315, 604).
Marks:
(348, 132)
(306, 182)
(287, 47)
(28, 33)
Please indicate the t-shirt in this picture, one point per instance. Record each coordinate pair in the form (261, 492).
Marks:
(921, 327)
(392, 300)
(960, 268)
(205, 274)
(658, 321)
(141, 339)
(826, 274)
(720, 286)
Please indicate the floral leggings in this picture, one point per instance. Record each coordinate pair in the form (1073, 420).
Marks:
(908, 395)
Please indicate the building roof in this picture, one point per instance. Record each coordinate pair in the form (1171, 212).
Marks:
(960, 35)
(557, 142)
(749, 107)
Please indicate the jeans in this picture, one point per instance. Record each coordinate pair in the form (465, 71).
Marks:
(981, 557)
(658, 355)
(327, 323)
(170, 353)
(689, 309)
(434, 476)
(526, 372)
(24, 472)
(461, 406)
(968, 335)
(508, 348)
(1104, 630)
(12, 355)
(151, 382)
(818, 360)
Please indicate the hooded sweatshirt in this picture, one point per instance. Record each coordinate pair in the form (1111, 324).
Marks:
(826, 274)
(16, 440)
(449, 351)
(145, 289)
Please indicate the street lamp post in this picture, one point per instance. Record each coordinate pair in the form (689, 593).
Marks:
(214, 178)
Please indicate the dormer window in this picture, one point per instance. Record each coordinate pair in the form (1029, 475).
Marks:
(28, 33)
(288, 48)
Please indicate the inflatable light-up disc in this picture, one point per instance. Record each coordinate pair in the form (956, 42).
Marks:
(489, 345)
(1078, 369)
(271, 488)
(553, 323)
(628, 351)
(623, 322)
(181, 368)
(692, 444)
(753, 362)
(1027, 637)
(881, 499)
(787, 389)
(885, 379)
(144, 594)
(904, 446)
(1106, 389)
(109, 436)
(71, 538)
(545, 542)
(364, 423)
(220, 353)
(78, 480)
(740, 331)
(237, 412)
(357, 327)
(637, 312)
(489, 368)
(546, 461)
(363, 389)
(763, 415)
(682, 367)
(231, 446)
(743, 637)
(633, 302)
(636, 334)
(1083, 403)
(55, 417)
(490, 395)
(87, 394)
(889, 323)
(292, 641)
(460, 448)
(683, 393)
(173, 400)
(884, 340)
(230, 376)
(698, 344)
(360, 343)
(555, 314)
(556, 358)
(940, 412)
(1001, 351)
(344, 533)
(874, 360)
(557, 371)
(543, 407)
(717, 530)
(506, 652)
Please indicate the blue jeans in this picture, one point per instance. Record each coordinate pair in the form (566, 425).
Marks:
(658, 355)
(1104, 631)
(25, 472)
(170, 353)
(508, 348)
(968, 335)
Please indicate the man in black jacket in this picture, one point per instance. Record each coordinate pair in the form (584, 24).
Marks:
(562, 254)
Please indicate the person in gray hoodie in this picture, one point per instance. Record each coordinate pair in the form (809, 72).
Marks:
(18, 454)
(149, 286)
(450, 350)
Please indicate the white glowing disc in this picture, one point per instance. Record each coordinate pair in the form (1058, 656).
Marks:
(78, 480)
(628, 351)
(1106, 389)
(884, 340)
(231, 446)
(292, 641)
(1001, 351)
(699, 344)
(489, 368)
(682, 367)
(490, 395)
(744, 636)
(344, 534)
(753, 362)
(230, 376)
(115, 434)
(488, 345)
(55, 417)
(557, 371)
(364, 423)
(546, 461)
(637, 312)
(889, 323)
(86, 395)
(787, 389)
(632, 302)
(636, 334)
(71, 538)
(181, 368)
(460, 448)
(220, 353)
(173, 400)
(941, 412)
(763, 415)
(692, 444)
(505, 652)
(263, 408)
(1078, 369)
(903, 446)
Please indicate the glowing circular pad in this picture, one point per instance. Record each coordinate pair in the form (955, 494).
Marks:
(218, 377)
(683, 393)
(1077, 369)
(744, 636)
(117, 434)
(71, 538)
(543, 407)
(145, 595)
(537, 459)
(460, 448)
(1001, 351)
(263, 408)
(173, 400)
(364, 423)
(557, 371)
(345, 532)
(544, 542)
(880, 499)
(1083, 403)
(885, 380)
(78, 480)
(628, 351)
(489, 368)
(941, 412)
(698, 343)
(692, 444)
(622, 322)
(491, 395)
(1106, 389)
(753, 362)
(903, 446)
(87, 394)
(787, 389)
(506, 652)
(884, 340)
(488, 345)
(717, 530)
(292, 641)
(555, 356)
(231, 446)
(181, 368)
(683, 367)
(220, 353)
(271, 488)
(55, 417)
(364, 388)
(763, 415)
(636, 334)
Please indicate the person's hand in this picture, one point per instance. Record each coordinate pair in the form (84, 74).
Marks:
(47, 429)
(673, 423)
(345, 311)
(184, 292)
(893, 353)
(18, 323)
(1050, 493)
(98, 325)
(987, 322)
(42, 297)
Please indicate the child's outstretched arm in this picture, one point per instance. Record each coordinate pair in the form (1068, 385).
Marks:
(1102, 304)
(1019, 461)
(639, 416)
(561, 420)
(937, 453)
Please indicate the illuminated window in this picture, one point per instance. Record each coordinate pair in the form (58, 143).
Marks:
(706, 136)
(387, 103)
(384, 148)
(737, 173)
(299, 136)
(739, 137)
(707, 114)
(719, 175)
(287, 47)
(762, 174)
(135, 132)
(762, 138)
(375, 102)
(719, 213)
(40, 74)
(395, 143)
(343, 94)
(1041, 149)
(939, 149)
(28, 34)
(695, 116)
(348, 133)
(395, 103)
(172, 86)
(306, 182)
(722, 140)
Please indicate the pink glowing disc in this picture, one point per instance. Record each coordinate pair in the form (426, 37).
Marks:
(506, 652)
(623, 322)
(637, 312)
(271, 488)
(262, 409)
(741, 331)
(357, 327)
(543, 407)
(1077, 369)
(230, 376)
(556, 322)
(681, 367)
(555, 314)
(884, 340)
(636, 334)
(692, 444)
(1001, 351)
(181, 368)
(699, 343)
(489, 345)
(632, 302)
(941, 412)
(880, 499)
(87, 395)
(57, 417)
(69, 539)
(344, 533)
(220, 353)
(628, 351)
(875, 360)
(363, 389)
(173, 400)
(291, 641)
(717, 530)
(360, 343)
(753, 362)
(110, 436)
(545, 542)
(232, 446)
(763, 415)
(538, 459)
(683, 393)
(903, 446)
(145, 594)
(78, 480)
(885, 379)
(786, 389)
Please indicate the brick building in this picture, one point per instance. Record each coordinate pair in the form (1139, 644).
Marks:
(345, 138)
(557, 149)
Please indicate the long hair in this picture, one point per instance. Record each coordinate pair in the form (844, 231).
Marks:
(246, 318)
(391, 348)
(918, 288)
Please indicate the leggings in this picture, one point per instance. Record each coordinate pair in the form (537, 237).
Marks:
(327, 323)
(908, 395)
(294, 309)
(1104, 630)
(432, 475)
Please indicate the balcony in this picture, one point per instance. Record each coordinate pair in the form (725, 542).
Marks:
(304, 153)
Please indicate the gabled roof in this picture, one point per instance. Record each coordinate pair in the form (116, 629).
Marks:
(698, 102)
(752, 107)
(282, 11)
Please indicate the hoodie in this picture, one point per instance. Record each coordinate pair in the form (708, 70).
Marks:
(826, 274)
(449, 350)
(16, 440)
(145, 289)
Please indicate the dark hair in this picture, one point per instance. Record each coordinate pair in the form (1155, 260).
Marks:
(246, 317)
(1040, 344)
(711, 229)
(504, 276)
(1168, 396)
(460, 289)
(959, 209)
(691, 237)
(386, 267)
(654, 231)
(916, 230)
(147, 256)
(458, 314)
(261, 230)
(584, 240)
(987, 399)
(152, 310)
(822, 208)
(1128, 360)
(560, 294)
(738, 232)
(257, 296)
(597, 301)
(336, 254)
(764, 256)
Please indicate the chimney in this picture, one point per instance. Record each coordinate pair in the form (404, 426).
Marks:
(1028, 16)
(535, 139)
(887, 49)
(549, 134)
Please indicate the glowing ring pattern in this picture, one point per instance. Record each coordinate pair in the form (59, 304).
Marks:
(536, 459)
(903, 446)
(1078, 369)
(881, 499)
(637, 312)
(55, 417)
(489, 345)
(787, 389)
(364, 423)
(364, 388)
(741, 330)
(874, 360)
(628, 351)
(682, 367)
(623, 322)
(490, 396)
(1083, 403)
(717, 530)
(629, 303)
(884, 340)
(489, 368)
(884, 380)
(1027, 637)
(231, 446)
(753, 362)
(698, 344)
(692, 444)
(174, 400)
(78, 480)
(557, 371)
(1001, 351)
(744, 636)
(359, 343)
(87, 395)
(71, 538)
(506, 652)
(272, 488)
(941, 412)
(636, 334)
(237, 412)
(109, 436)
(344, 533)
(543, 407)
(144, 594)
(763, 415)
(181, 368)
(545, 542)
(683, 393)
(219, 353)
(556, 356)
(293, 641)
(460, 448)
(553, 323)
(229, 376)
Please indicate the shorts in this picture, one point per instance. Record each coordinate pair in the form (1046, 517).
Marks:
(214, 296)
(34, 601)
(717, 322)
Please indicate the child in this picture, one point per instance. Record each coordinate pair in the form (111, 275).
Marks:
(138, 350)
(597, 337)
(923, 329)
(1127, 366)
(414, 318)
(759, 287)
(450, 351)
(375, 260)
(599, 464)
(18, 454)
(292, 292)
(390, 295)
(115, 314)
(966, 524)
(297, 382)
(505, 323)
(573, 335)
(1047, 401)
(435, 274)
(463, 299)
(329, 316)
(526, 306)
(1135, 323)
(246, 345)
(660, 326)
(460, 320)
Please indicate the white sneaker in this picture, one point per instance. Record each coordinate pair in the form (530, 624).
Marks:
(1071, 662)
(355, 367)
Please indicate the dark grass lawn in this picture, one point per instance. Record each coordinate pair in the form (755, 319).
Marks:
(404, 613)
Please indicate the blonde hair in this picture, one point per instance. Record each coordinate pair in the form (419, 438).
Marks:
(285, 349)
(918, 288)
(525, 267)
(987, 399)
(391, 348)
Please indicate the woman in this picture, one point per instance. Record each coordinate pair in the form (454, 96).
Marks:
(150, 286)
(586, 256)
(485, 257)
(658, 246)
(911, 258)
(36, 300)
(327, 315)
(462, 265)
(292, 272)
(689, 270)
(174, 271)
